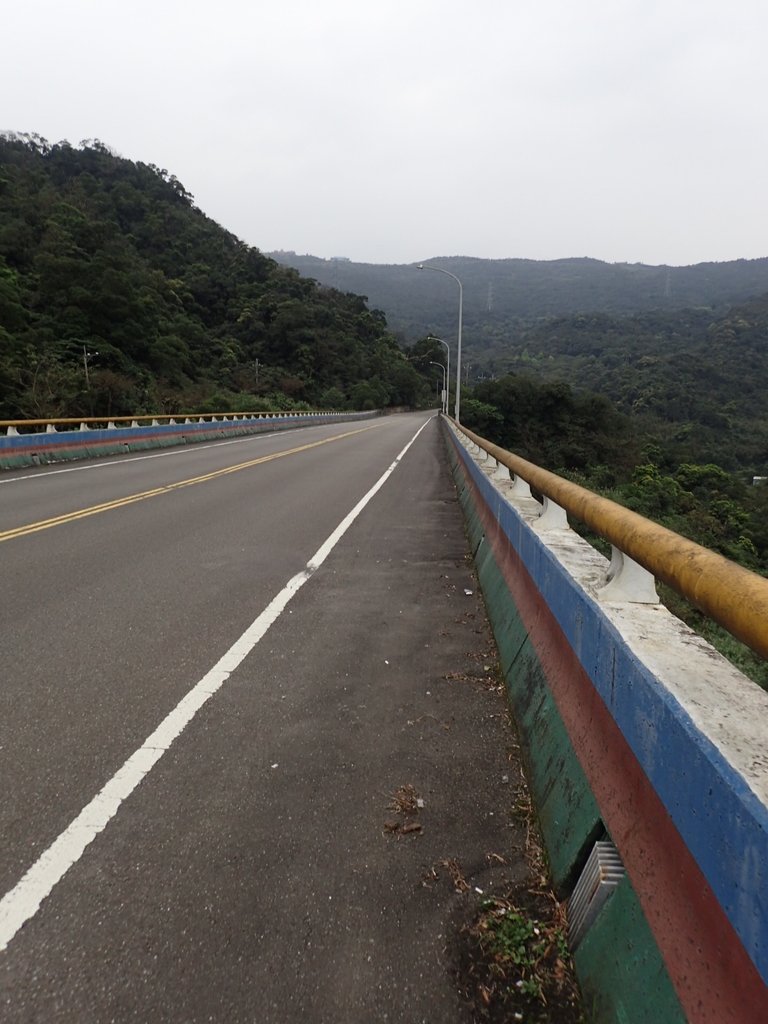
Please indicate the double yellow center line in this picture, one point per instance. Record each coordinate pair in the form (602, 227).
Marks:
(131, 499)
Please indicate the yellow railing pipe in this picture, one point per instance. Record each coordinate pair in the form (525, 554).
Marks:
(731, 595)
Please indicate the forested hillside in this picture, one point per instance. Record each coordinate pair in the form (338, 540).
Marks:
(501, 296)
(118, 295)
(697, 380)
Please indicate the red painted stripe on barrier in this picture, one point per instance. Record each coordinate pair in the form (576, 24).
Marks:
(713, 976)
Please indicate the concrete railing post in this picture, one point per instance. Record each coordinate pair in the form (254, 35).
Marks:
(520, 488)
(553, 517)
(628, 581)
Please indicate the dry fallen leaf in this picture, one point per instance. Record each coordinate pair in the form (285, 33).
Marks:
(411, 826)
(404, 800)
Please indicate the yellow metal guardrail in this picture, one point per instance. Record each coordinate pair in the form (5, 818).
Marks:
(731, 595)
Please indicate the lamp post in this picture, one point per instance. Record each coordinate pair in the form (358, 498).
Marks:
(447, 369)
(439, 270)
(445, 378)
(87, 357)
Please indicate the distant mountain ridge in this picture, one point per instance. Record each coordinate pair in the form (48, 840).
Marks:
(500, 292)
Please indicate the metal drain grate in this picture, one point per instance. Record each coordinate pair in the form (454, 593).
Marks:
(602, 873)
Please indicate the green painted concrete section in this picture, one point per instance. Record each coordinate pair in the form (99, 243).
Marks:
(474, 527)
(567, 811)
(509, 630)
(619, 966)
(622, 976)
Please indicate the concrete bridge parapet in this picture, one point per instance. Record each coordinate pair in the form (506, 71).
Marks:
(639, 734)
(36, 442)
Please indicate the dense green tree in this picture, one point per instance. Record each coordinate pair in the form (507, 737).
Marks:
(585, 438)
(104, 255)
(550, 423)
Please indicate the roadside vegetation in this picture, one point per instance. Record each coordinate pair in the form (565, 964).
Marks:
(515, 963)
(586, 438)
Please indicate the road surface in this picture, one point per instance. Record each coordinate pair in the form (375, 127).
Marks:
(214, 682)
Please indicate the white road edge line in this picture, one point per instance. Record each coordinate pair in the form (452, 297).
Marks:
(22, 902)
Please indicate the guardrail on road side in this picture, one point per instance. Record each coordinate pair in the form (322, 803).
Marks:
(637, 734)
(36, 442)
(728, 593)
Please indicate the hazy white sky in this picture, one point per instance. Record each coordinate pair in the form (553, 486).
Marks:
(627, 130)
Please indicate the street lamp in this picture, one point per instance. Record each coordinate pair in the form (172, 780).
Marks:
(445, 378)
(447, 369)
(439, 270)
(87, 357)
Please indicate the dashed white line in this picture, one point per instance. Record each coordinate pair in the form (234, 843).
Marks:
(25, 899)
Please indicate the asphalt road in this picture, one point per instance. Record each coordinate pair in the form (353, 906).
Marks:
(256, 870)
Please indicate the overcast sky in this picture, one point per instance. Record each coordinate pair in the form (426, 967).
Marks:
(390, 132)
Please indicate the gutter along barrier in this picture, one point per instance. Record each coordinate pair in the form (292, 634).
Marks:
(639, 738)
(22, 445)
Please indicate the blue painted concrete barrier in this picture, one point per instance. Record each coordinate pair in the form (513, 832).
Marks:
(636, 729)
(38, 448)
